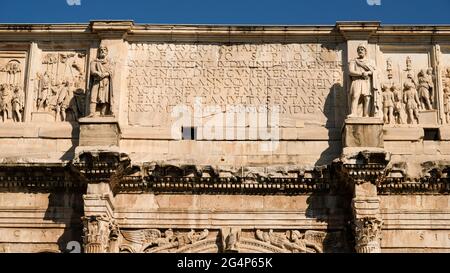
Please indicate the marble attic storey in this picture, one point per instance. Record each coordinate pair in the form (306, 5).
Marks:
(124, 137)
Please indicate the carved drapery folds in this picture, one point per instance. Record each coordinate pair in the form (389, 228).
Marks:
(367, 232)
(101, 90)
(60, 89)
(98, 233)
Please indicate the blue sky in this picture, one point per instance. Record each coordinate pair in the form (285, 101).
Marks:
(244, 12)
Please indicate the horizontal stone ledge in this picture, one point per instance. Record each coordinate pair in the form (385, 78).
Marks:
(249, 226)
(63, 130)
(403, 133)
(238, 133)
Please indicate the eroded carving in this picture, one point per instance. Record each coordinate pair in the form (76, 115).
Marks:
(368, 235)
(300, 78)
(101, 84)
(97, 232)
(12, 96)
(414, 102)
(60, 91)
(292, 241)
(446, 95)
(153, 240)
(230, 238)
(364, 84)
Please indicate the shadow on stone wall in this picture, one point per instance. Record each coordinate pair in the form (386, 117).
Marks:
(333, 125)
(70, 154)
(66, 208)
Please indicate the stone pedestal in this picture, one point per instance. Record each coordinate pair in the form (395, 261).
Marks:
(363, 132)
(428, 117)
(42, 117)
(99, 131)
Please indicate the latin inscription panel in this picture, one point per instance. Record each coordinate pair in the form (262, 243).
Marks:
(301, 81)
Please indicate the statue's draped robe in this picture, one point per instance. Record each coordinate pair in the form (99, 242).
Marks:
(101, 91)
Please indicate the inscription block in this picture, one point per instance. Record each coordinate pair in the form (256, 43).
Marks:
(302, 81)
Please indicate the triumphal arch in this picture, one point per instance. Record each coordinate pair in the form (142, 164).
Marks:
(124, 137)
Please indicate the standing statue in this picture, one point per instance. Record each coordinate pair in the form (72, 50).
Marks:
(447, 96)
(399, 109)
(425, 87)
(364, 83)
(18, 103)
(5, 102)
(101, 87)
(63, 100)
(411, 100)
(388, 104)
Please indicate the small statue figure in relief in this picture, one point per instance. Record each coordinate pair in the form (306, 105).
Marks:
(63, 100)
(44, 91)
(364, 83)
(425, 89)
(447, 96)
(411, 100)
(388, 104)
(5, 102)
(447, 103)
(101, 88)
(399, 110)
(18, 103)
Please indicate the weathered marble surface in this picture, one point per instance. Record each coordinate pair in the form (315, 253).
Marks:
(276, 163)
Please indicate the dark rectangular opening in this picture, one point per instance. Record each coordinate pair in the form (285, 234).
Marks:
(431, 134)
(189, 133)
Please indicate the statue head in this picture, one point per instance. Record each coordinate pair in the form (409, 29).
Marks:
(362, 51)
(430, 71)
(102, 52)
(421, 73)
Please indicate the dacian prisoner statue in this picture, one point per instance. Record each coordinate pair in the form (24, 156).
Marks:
(101, 88)
(363, 87)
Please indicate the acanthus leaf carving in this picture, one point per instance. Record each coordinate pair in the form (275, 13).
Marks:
(98, 231)
(368, 234)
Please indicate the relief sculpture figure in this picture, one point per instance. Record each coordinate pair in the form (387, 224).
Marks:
(425, 87)
(411, 100)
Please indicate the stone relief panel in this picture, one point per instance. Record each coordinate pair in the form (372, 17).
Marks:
(60, 87)
(12, 83)
(231, 240)
(303, 82)
(445, 74)
(408, 88)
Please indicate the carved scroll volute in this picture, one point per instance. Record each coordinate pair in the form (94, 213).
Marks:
(368, 235)
(98, 232)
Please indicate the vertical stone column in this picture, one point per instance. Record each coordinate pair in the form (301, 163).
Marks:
(99, 227)
(363, 159)
(362, 171)
(366, 218)
(98, 158)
